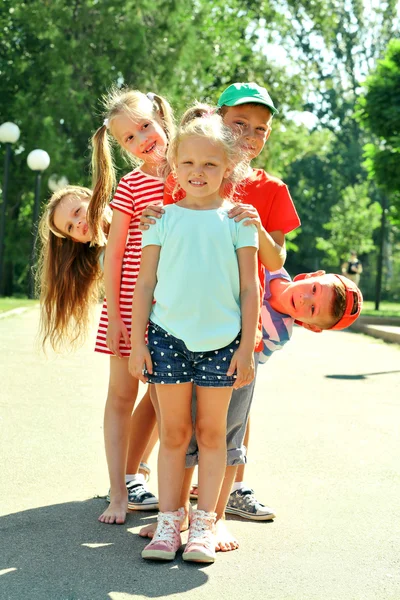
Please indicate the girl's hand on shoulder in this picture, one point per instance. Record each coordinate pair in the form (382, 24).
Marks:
(152, 210)
(116, 331)
(140, 358)
(246, 211)
(243, 363)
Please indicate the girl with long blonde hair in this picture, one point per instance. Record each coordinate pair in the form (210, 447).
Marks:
(70, 283)
(70, 275)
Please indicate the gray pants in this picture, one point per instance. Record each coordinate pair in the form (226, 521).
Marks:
(238, 414)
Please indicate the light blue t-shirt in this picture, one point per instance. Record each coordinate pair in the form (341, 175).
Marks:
(197, 296)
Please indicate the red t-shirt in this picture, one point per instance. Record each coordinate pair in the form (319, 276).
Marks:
(270, 196)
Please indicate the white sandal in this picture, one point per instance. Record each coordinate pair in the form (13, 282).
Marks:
(145, 467)
(194, 491)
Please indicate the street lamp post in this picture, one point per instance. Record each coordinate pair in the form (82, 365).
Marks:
(38, 161)
(379, 268)
(9, 134)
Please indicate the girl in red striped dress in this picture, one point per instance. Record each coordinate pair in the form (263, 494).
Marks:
(141, 125)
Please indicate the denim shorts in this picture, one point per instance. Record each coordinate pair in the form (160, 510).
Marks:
(174, 363)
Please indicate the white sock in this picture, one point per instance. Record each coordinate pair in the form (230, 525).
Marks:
(238, 485)
(136, 477)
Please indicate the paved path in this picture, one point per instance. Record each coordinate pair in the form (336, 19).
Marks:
(325, 454)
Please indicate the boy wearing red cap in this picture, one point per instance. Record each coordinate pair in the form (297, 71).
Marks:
(318, 301)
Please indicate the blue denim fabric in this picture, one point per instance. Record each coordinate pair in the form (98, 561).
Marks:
(174, 363)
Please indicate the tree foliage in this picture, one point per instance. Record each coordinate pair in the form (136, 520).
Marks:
(379, 112)
(58, 58)
(353, 219)
(331, 47)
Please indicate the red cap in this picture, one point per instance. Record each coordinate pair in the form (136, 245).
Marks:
(347, 319)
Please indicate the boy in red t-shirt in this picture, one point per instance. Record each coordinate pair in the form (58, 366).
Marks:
(266, 202)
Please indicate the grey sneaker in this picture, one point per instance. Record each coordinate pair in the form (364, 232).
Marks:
(244, 504)
(139, 498)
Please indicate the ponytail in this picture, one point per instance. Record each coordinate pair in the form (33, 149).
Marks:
(164, 110)
(104, 181)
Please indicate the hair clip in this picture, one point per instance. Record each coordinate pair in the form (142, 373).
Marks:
(106, 123)
(151, 96)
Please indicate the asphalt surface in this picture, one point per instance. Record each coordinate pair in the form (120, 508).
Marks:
(324, 453)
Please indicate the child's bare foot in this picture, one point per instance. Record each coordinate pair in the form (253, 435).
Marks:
(224, 540)
(148, 531)
(115, 512)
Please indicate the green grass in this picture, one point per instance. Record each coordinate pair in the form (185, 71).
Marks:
(386, 309)
(10, 303)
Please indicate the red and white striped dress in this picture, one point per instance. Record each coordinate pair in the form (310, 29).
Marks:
(134, 192)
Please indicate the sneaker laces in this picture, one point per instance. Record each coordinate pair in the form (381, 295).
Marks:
(250, 497)
(166, 527)
(137, 489)
(201, 526)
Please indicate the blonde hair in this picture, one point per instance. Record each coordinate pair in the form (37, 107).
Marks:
(202, 120)
(68, 278)
(117, 102)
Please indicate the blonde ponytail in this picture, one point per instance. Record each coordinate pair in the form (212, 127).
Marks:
(104, 182)
(163, 108)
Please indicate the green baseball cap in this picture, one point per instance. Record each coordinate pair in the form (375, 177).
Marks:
(246, 93)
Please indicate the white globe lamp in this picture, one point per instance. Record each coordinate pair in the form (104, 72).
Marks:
(38, 160)
(9, 133)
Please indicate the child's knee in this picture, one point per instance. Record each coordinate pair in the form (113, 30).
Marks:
(209, 435)
(173, 437)
(123, 398)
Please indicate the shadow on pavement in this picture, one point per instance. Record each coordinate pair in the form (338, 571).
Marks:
(360, 376)
(62, 552)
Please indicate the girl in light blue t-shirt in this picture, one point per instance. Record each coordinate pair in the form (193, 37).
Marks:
(201, 268)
